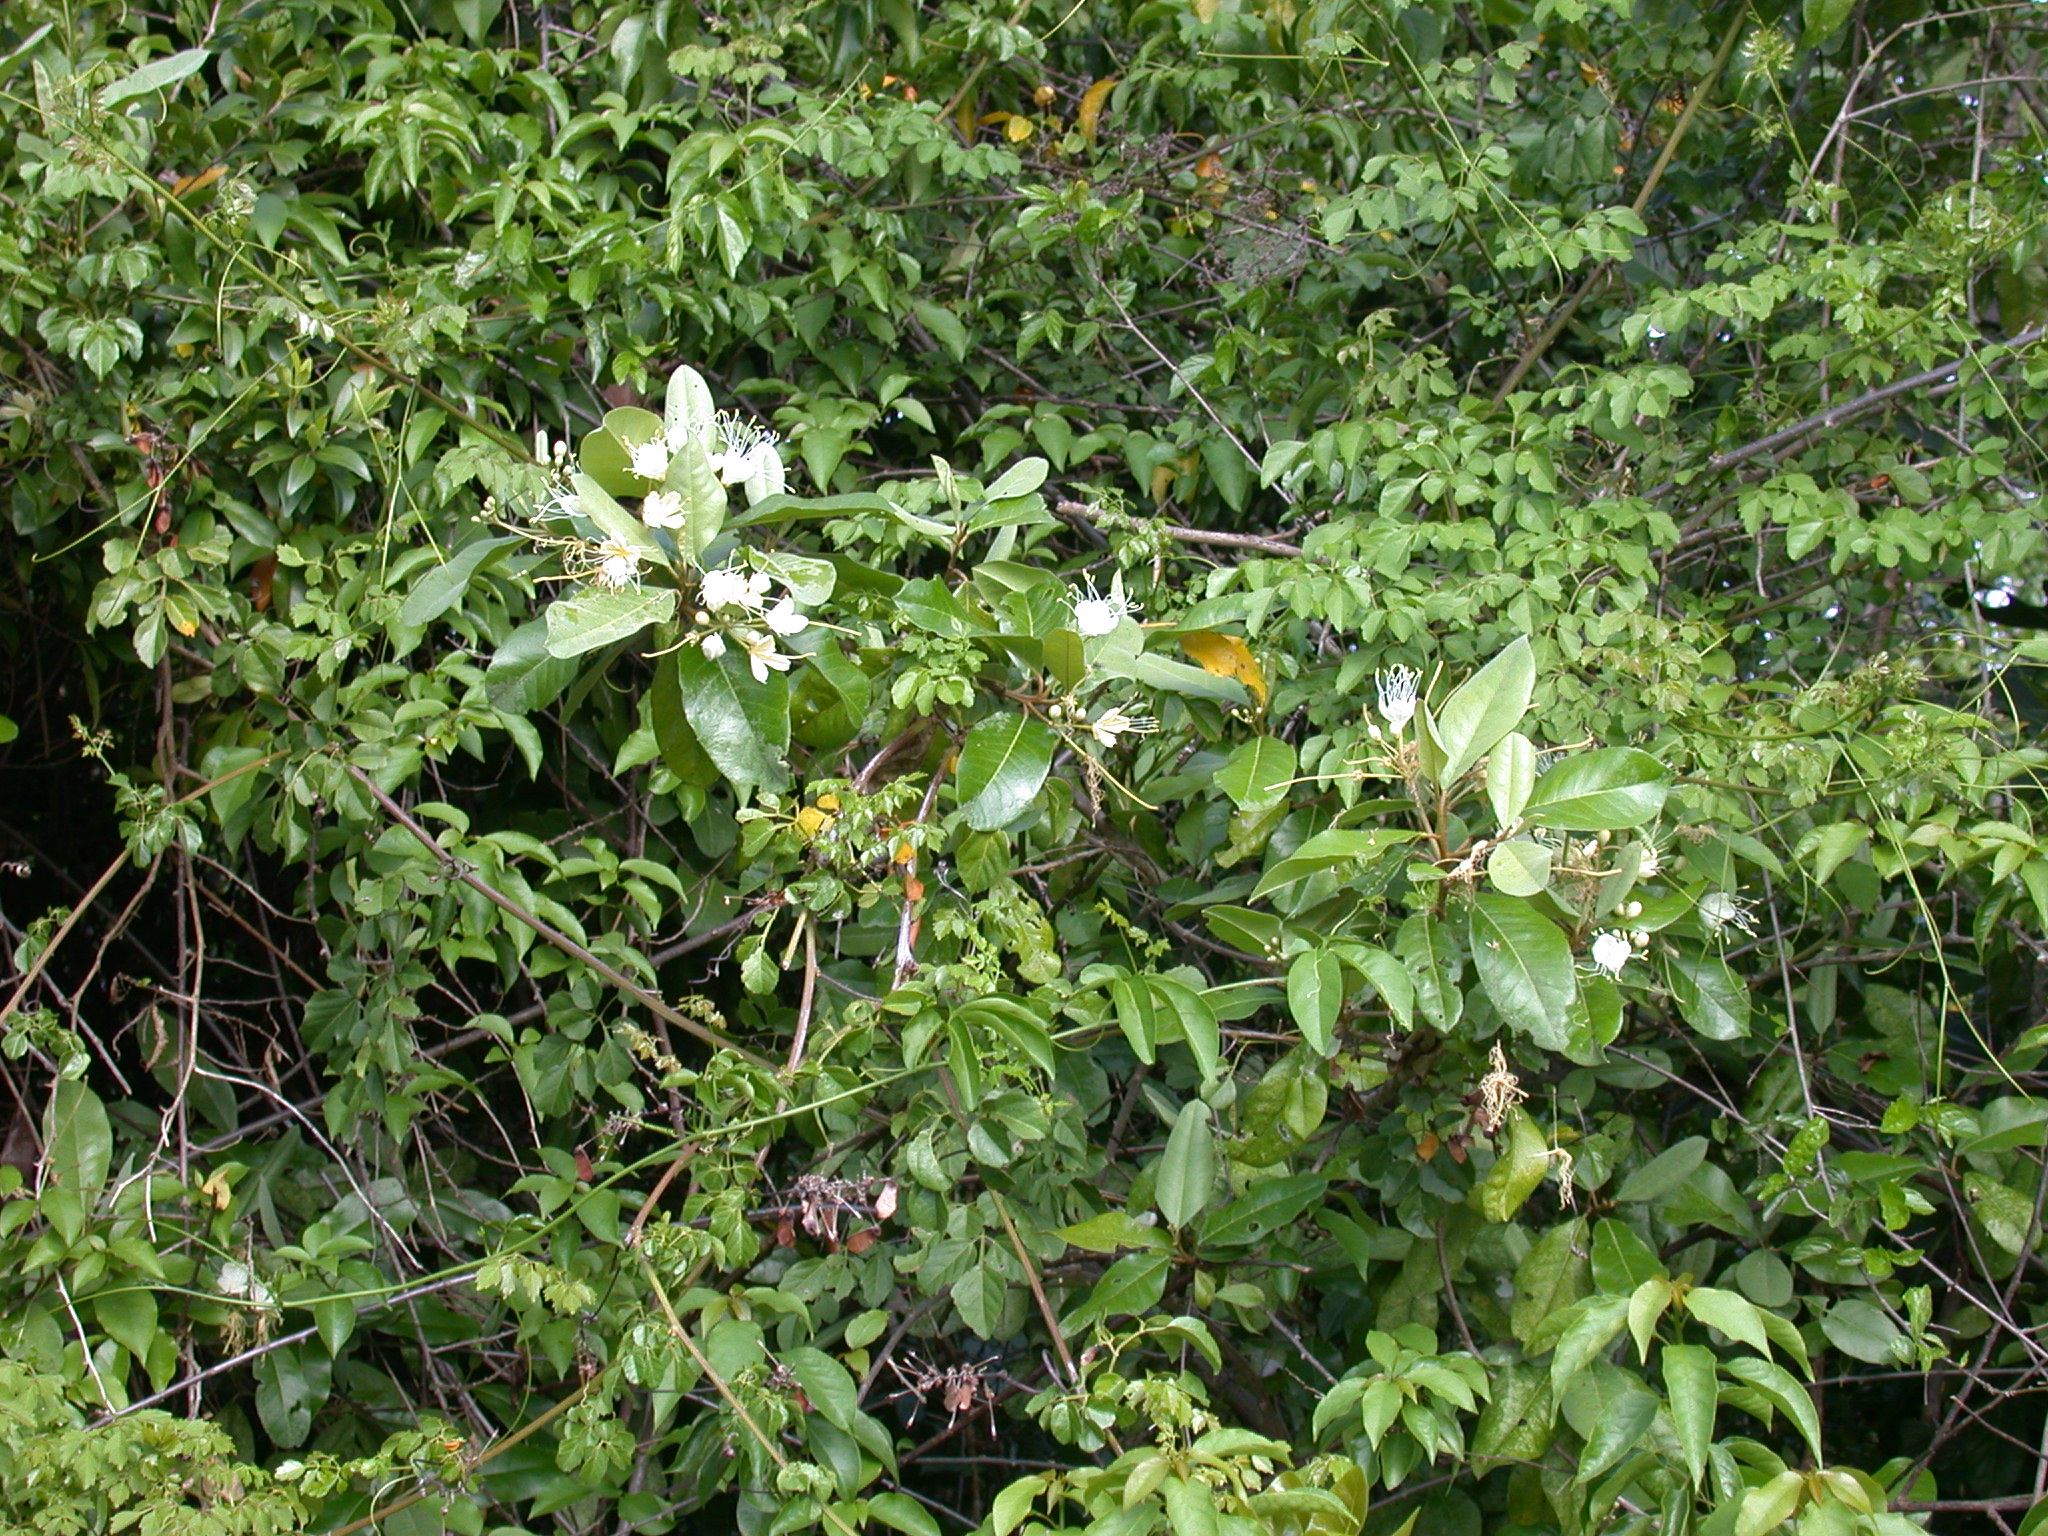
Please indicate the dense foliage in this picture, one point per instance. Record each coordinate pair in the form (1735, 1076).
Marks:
(1134, 766)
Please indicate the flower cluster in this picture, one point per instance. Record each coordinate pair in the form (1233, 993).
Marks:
(742, 452)
(731, 591)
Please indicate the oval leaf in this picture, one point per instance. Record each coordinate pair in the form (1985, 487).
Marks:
(1486, 706)
(1003, 763)
(1600, 791)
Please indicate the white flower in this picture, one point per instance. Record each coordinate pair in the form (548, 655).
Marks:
(1397, 695)
(783, 618)
(618, 563)
(1718, 910)
(1112, 723)
(1611, 951)
(1096, 614)
(662, 509)
(731, 588)
(713, 645)
(1649, 859)
(744, 450)
(762, 657)
(649, 459)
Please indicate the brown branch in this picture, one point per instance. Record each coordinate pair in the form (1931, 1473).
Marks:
(1548, 336)
(553, 935)
(1849, 410)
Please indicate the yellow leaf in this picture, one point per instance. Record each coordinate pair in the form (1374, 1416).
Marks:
(1093, 100)
(1226, 656)
(1017, 129)
(187, 185)
(218, 1190)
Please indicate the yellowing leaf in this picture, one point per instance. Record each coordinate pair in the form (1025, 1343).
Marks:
(1226, 656)
(1093, 100)
(1017, 129)
(218, 1190)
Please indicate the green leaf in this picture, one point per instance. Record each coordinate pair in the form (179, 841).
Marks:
(1187, 1168)
(1255, 1216)
(525, 676)
(1190, 1507)
(1013, 1504)
(1776, 1384)
(1130, 1287)
(1525, 964)
(1647, 1305)
(1003, 764)
(1315, 995)
(687, 405)
(1519, 868)
(1710, 996)
(900, 1512)
(681, 753)
(1510, 777)
(1020, 479)
(1551, 1277)
(1612, 1410)
(1331, 850)
(1199, 1027)
(157, 75)
(1862, 1332)
(78, 1142)
(1111, 1231)
(601, 616)
(982, 1297)
(1597, 1324)
(1767, 1507)
(1734, 1315)
(1692, 1393)
(128, 1317)
(335, 1317)
(1258, 772)
(1513, 1178)
(1600, 791)
(1621, 1260)
(1664, 1172)
(1422, 946)
(1387, 977)
(442, 586)
(1137, 1015)
(742, 725)
(926, 604)
(1822, 19)
(1486, 706)
(2007, 1215)
(946, 330)
(833, 1392)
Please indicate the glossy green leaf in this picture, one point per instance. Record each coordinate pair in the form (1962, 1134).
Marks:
(742, 725)
(1315, 995)
(1187, 1168)
(1525, 964)
(1710, 997)
(1519, 867)
(1524, 1160)
(1483, 709)
(1510, 777)
(78, 1141)
(1003, 764)
(1258, 772)
(599, 616)
(1691, 1392)
(1600, 791)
